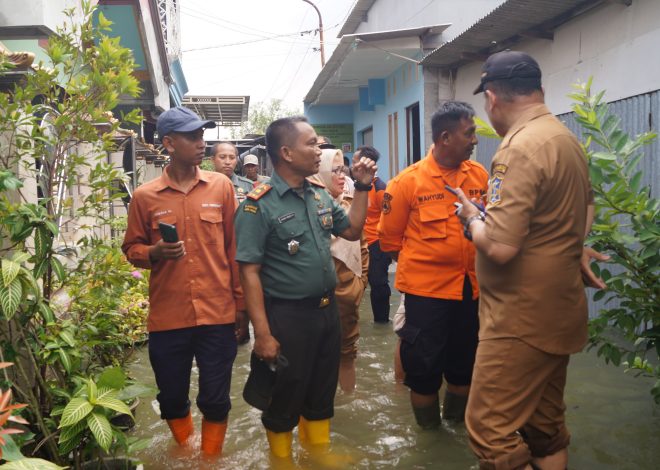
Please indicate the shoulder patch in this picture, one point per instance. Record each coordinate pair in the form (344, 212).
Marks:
(387, 203)
(258, 192)
(250, 208)
(315, 183)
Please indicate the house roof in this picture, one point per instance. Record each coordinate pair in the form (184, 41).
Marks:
(224, 110)
(355, 17)
(504, 26)
(359, 57)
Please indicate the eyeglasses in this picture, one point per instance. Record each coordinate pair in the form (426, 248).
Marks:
(338, 170)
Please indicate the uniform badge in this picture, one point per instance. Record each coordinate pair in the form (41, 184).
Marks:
(326, 221)
(317, 196)
(495, 191)
(250, 208)
(293, 246)
(387, 203)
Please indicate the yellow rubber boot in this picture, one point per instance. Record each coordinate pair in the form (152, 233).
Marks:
(213, 437)
(314, 432)
(280, 443)
(181, 428)
(315, 437)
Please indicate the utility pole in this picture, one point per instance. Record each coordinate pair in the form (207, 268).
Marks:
(320, 31)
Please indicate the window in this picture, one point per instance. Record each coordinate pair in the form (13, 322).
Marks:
(413, 134)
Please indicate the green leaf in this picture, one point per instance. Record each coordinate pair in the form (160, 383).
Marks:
(65, 360)
(58, 268)
(92, 392)
(599, 295)
(46, 312)
(68, 338)
(100, 427)
(42, 241)
(74, 411)
(40, 268)
(114, 404)
(608, 156)
(10, 270)
(635, 182)
(10, 450)
(112, 377)
(138, 445)
(10, 298)
(72, 432)
(31, 464)
(20, 257)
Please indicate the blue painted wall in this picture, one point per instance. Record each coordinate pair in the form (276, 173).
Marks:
(329, 114)
(408, 92)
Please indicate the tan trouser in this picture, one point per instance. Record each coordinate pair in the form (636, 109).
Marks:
(348, 294)
(516, 406)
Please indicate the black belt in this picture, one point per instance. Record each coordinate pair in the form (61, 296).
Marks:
(307, 302)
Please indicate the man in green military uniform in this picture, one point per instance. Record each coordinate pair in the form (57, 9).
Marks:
(289, 278)
(225, 158)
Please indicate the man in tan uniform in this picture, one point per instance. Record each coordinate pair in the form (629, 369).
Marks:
(533, 310)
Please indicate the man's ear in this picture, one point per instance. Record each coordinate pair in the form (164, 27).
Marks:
(286, 153)
(444, 136)
(168, 143)
(491, 99)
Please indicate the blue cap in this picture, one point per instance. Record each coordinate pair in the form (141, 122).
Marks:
(180, 119)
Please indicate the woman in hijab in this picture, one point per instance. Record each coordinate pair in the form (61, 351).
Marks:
(351, 263)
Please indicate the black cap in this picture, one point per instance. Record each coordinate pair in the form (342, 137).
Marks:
(508, 64)
(327, 146)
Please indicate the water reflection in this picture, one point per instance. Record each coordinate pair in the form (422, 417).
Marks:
(612, 419)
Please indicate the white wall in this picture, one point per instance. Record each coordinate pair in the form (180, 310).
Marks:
(397, 14)
(45, 14)
(615, 44)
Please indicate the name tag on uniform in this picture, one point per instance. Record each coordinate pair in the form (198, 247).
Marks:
(324, 211)
(283, 218)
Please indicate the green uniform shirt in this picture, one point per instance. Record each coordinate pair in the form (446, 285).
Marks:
(242, 186)
(289, 236)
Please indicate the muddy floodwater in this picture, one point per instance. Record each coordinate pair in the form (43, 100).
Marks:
(611, 416)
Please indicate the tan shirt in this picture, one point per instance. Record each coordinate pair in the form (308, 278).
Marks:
(202, 287)
(537, 201)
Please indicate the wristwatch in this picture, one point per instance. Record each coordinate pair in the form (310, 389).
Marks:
(466, 225)
(362, 187)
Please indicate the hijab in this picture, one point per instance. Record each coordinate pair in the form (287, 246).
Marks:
(345, 251)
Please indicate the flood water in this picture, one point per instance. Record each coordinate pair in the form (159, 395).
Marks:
(611, 416)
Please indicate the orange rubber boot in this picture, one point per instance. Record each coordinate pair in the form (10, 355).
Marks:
(213, 437)
(181, 428)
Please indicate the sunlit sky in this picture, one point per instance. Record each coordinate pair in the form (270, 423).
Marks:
(255, 47)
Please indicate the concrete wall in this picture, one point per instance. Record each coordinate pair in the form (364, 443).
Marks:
(386, 15)
(32, 18)
(615, 44)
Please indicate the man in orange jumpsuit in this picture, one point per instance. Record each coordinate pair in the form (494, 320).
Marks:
(379, 262)
(436, 265)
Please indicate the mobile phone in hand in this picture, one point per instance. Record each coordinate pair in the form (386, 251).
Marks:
(475, 204)
(168, 232)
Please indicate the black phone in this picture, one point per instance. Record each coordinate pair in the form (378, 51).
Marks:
(168, 232)
(475, 204)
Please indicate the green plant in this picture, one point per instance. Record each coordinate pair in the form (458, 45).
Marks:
(626, 227)
(55, 131)
(85, 425)
(16, 461)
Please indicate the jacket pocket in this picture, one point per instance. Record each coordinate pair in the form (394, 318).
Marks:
(433, 220)
(211, 226)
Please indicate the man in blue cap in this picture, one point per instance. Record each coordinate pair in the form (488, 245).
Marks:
(194, 289)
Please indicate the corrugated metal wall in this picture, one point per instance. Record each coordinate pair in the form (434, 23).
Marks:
(638, 114)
